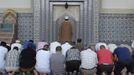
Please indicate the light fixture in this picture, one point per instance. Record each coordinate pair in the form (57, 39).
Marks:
(66, 5)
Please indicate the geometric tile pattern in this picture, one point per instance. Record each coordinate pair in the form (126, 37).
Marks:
(116, 28)
(113, 28)
(25, 26)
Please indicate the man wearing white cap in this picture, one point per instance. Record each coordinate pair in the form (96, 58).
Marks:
(65, 31)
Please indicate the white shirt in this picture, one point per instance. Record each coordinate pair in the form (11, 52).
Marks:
(97, 46)
(17, 45)
(43, 61)
(66, 46)
(3, 52)
(53, 46)
(112, 47)
(88, 59)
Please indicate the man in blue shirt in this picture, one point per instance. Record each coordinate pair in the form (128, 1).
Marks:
(123, 59)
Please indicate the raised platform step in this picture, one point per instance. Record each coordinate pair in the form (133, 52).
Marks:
(6, 36)
(7, 40)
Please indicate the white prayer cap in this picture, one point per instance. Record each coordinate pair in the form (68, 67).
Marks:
(66, 17)
(17, 41)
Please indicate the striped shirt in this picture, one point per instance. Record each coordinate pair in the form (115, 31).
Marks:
(73, 54)
(12, 59)
(88, 59)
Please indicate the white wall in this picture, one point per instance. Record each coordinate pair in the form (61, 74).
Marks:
(15, 3)
(118, 4)
(26, 5)
(22, 6)
(112, 4)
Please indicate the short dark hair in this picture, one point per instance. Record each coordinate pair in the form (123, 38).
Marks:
(45, 47)
(31, 41)
(3, 43)
(15, 48)
(79, 40)
(58, 48)
(73, 44)
(102, 46)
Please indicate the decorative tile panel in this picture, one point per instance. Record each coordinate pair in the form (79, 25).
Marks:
(116, 28)
(37, 22)
(25, 26)
(113, 28)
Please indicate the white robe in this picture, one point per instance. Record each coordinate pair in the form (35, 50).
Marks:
(3, 52)
(112, 47)
(43, 61)
(53, 46)
(65, 47)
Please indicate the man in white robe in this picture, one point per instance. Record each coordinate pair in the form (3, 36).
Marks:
(66, 46)
(53, 46)
(3, 52)
(43, 61)
(112, 47)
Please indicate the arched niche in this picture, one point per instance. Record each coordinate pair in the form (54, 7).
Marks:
(87, 25)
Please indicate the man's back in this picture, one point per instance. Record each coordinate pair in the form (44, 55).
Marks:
(3, 52)
(73, 54)
(27, 58)
(123, 54)
(88, 59)
(105, 56)
(42, 59)
(12, 58)
(57, 61)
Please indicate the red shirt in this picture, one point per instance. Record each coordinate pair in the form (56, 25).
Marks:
(104, 56)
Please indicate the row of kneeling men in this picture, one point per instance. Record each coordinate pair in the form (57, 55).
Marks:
(58, 59)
